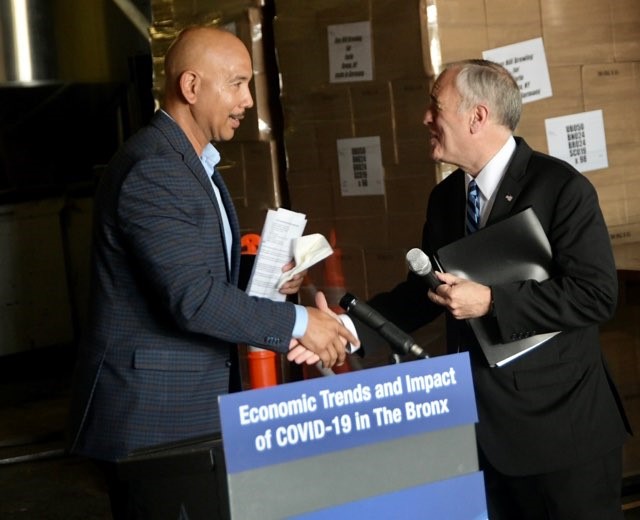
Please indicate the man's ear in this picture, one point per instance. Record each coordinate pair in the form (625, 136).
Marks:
(189, 86)
(480, 117)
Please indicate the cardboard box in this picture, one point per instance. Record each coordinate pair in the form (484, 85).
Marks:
(251, 172)
(566, 84)
(406, 228)
(577, 31)
(614, 88)
(314, 200)
(347, 11)
(327, 134)
(251, 217)
(372, 115)
(461, 43)
(633, 196)
(359, 205)
(385, 269)
(627, 256)
(626, 30)
(408, 194)
(512, 21)
(397, 40)
(612, 191)
(455, 30)
(624, 155)
(262, 174)
(423, 168)
(319, 104)
(231, 167)
(301, 64)
(325, 226)
(409, 101)
(187, 12)
(301, 149)
(364, 231)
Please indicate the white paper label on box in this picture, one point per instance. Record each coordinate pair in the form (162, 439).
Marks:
(527, 63)
(350, 54)
(360, 164)
(578, 139)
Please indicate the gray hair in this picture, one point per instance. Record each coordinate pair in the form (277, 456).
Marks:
(483, 81)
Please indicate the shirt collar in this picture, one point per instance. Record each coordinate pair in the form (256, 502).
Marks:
(210, 158)
(490, 176)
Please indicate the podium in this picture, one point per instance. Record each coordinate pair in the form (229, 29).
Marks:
(188, 479)
(387, 442)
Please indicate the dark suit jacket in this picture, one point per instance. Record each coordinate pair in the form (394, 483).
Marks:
(165, 307)
(556, 405)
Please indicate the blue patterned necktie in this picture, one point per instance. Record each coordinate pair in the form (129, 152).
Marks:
(473, 208)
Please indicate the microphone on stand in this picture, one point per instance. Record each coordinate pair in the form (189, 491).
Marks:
(419, 263)
(400, 341)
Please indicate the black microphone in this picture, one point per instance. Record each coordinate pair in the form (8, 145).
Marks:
(420, 264)
(397, 338)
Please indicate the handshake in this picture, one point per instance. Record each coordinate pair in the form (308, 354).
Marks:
(326, 339)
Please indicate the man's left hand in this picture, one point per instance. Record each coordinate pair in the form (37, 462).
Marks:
(463, 298)
(293, 285)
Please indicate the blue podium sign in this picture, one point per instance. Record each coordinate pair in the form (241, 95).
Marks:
(389, 442)
(296, 420)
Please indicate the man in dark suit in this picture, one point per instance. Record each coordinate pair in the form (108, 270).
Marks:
(165, 305)
(551, 426)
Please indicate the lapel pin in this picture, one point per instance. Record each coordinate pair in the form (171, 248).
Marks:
(509, 198)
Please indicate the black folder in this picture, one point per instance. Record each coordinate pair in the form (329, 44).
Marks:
(513, 249)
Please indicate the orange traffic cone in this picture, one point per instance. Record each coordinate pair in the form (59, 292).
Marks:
(262, 364)
(335, 287)
(334, 282)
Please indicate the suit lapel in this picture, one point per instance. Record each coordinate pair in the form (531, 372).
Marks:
(181, 144)
(512, 183)
(456, 211)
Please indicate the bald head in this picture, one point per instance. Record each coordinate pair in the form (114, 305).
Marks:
(201, 49)
(207, 74)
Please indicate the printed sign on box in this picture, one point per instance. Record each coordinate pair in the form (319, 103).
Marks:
(350, 54)
(578, 139)
(527, 63)
(360, 164)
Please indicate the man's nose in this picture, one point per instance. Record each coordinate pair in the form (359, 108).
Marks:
(428, 118)
(248, 100)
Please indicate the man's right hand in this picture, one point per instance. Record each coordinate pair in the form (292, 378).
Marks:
(326, 336)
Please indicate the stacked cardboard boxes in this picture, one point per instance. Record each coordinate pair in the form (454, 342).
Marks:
(354, 94)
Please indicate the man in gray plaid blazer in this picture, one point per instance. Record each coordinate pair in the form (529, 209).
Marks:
(165, 305)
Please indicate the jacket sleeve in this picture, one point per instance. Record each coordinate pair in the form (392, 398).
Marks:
(582, 290)
(169, 223)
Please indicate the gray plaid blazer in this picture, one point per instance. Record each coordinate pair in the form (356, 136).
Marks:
(165, 306)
